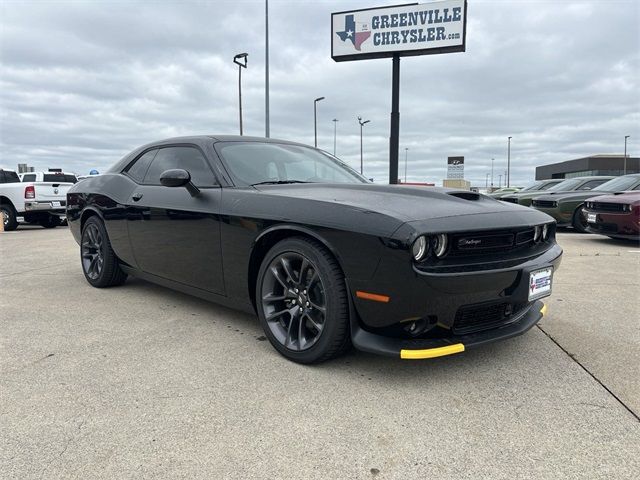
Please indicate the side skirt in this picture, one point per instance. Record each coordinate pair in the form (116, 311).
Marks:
(189, 290)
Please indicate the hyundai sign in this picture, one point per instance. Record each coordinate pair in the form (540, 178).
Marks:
(400, 30)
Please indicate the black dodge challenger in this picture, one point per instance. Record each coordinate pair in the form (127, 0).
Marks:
(325, 258)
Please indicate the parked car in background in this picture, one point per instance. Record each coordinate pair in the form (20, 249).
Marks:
(538, 186)
(324, 257)
(504, 191)
(50, 176)
(41, 203)
(568, 185)
(616, 216)
(566, 208)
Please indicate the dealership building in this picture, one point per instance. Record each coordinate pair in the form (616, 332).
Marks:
(587, 166)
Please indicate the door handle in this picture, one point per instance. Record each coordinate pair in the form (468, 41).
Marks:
(136, 196)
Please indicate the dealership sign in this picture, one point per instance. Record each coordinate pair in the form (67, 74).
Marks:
(401, 30)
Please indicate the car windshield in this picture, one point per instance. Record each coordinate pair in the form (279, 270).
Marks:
(619, 184)
(566, 185)
(253, 163)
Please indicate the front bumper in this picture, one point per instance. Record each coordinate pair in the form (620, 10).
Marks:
(619, 225)
(414, 349)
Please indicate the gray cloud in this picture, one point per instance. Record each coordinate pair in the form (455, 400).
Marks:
(82, 83)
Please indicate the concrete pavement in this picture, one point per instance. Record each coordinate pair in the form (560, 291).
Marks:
(143, 382)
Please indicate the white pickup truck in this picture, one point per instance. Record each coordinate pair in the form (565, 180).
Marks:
(41, 203)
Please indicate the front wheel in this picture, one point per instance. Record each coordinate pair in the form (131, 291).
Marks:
(302, 303)
(99, 263)
(579, 221)
(9, 218)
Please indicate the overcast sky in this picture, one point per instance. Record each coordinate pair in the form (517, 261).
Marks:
(82, 83)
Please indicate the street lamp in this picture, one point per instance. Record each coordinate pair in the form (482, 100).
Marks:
(509, 161)
(361, 125)
(625, 153)
(335, 125)
(240, 60)
(406, 153)
(315, 123)
(486, 182)
(492, 173)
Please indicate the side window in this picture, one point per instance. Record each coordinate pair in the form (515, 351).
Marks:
(139, 168)
(29, 177)
(2, 177)
(186, 158)
(591, 184)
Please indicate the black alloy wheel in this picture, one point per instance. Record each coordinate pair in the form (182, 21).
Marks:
(9, 219)
(580, 220)
(99, 262)
(302, 301)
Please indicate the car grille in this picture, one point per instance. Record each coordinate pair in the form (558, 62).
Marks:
(483, 242)
(544, 203)
(475, 318)
(606, 207)
(510, 200)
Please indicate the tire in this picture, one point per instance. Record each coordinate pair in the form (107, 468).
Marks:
(99, 264)
(302, 302)
(578, 222)
(10, 220)
(50, 221)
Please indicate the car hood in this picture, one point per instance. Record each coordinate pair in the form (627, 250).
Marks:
(573, 196)
(622, 197)
(402, 202)
(412, 204)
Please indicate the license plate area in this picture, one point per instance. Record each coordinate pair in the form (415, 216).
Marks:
(540, 283)
(55, 204)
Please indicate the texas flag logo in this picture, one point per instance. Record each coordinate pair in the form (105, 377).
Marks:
(351, 34)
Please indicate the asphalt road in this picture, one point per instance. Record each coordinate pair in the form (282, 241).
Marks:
(142, 382)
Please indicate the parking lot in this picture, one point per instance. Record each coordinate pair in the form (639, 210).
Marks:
(143, 382)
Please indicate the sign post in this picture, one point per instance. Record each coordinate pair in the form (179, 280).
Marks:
(398, 31)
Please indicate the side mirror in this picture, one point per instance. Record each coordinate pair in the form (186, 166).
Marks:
(178, 177)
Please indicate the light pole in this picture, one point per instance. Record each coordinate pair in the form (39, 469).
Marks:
(315, 122)
(625, 153)
(406, 153)
(500, 181)
(266, 69)
(335, 127)
(486, 182)
(240, 60)
(508, 177)
(361, 125)
(492, 173)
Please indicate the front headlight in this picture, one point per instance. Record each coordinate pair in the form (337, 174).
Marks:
(440, 244)
(545, 232)
(626, 207)
(419, 248)
(537, 231)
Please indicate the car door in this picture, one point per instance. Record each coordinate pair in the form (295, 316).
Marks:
(173, 234)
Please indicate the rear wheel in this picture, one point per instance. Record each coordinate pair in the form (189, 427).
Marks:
(579, 221)
(9, 217)
(302, 302)
(99, 263)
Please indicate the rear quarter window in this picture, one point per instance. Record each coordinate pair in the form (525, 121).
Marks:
(138, 169)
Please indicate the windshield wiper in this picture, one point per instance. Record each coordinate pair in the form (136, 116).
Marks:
(278, 182)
